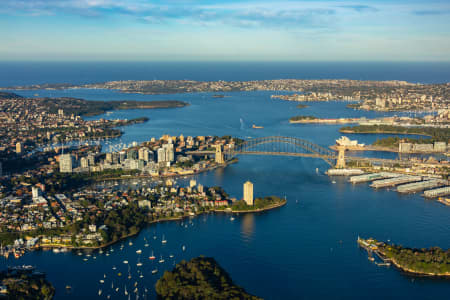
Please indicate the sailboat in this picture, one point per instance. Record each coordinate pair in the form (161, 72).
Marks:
(99, 292)
(139, 263)
(146, 243)
(164, 241)
(126, 292)
(152, 257)
(161, 260)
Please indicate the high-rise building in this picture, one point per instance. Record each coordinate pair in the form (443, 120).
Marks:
(248, 193)
(84, 162)
(60, 113)
(192, 183)
(35, 192)
(170, 155)
(65, 163)
(161, 155)
(19, 147)
(144, 154)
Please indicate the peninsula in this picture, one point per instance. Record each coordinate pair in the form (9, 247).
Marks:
(199, 278)
(425, 262)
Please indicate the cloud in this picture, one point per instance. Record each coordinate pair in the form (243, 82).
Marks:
(360, 8)
(241, 14)
(431, 12)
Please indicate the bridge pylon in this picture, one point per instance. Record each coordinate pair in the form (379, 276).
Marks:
(340, 163)
(219, 158)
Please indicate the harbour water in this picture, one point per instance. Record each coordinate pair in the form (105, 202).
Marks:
(304, 250)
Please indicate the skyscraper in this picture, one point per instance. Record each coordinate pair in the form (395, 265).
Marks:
(248, 193)
(19, 147)
(65, 163)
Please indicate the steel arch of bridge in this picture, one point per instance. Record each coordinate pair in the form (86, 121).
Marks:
(281, 145)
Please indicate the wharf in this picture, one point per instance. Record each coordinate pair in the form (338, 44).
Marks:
(443, 191)
(420, 186)
(373, 176)
(344, 172)
(395, 181)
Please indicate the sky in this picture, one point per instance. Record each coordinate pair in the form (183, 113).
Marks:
(219, 30)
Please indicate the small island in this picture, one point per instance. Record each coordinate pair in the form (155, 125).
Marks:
(433, 261)
(302, 106)
(301, 119)
(199, 278)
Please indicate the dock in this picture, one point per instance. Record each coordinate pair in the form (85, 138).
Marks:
(344, 172)
(420, 186)
(395, 181)
(373, 176)
(443, 191)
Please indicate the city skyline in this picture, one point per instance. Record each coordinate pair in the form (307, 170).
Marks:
(135, 30)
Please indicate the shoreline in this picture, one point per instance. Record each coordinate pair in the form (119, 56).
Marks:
(48, 247)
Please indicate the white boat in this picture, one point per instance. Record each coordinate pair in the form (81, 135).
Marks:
(107, 254)
(146, 245)
(114, 267)
(85, 259)
(161, 260)
(125, 261)
(141, 276)
(163, 241)
(126, 292)
(102, 281)
(139, 251)
(333, 182)
(130, 243)
(139, 264)
(232, 218)
(56, 250)
(171, 255)
(99, 292)
(117, 289)
(183, 248)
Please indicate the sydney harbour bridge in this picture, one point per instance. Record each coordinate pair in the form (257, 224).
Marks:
(292, 146)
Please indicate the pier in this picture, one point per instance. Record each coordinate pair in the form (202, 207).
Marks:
(443, 191)
(373, 176)
(395, 181)
(420, 186)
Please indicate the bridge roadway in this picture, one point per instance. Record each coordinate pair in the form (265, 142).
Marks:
(313, 155)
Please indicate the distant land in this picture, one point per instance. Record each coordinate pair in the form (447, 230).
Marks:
(393, 95)
(90, 107)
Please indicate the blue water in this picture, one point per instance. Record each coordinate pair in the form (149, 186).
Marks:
(22, 73)
(293, 252)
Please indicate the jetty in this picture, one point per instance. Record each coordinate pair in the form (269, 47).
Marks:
(443, 191)
(420, 186)
(395, 181)
(372, 177)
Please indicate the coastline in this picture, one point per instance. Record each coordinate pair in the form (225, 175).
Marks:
(52, 246)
